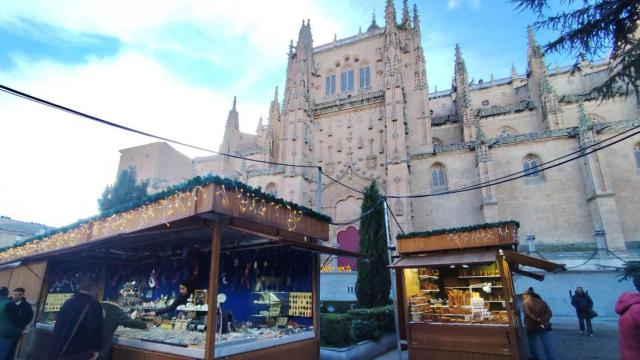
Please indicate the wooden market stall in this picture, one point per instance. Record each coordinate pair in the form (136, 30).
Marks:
(252, 259)
(456, 298)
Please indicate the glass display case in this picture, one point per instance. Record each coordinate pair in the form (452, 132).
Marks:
(468, 294)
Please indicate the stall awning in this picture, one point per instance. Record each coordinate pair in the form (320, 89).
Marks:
(446, 258)
(515, 258)
(320, 249)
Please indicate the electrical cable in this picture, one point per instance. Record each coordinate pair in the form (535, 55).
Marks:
(364, 214)
(139, 132)
(526, 173)
(394, 216)
(345, 185)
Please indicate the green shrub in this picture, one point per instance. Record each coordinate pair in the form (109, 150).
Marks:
(383, 317)
(335, 330)
(365, 330)
(339, 307)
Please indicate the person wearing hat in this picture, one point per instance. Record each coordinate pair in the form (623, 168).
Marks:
(537, 321)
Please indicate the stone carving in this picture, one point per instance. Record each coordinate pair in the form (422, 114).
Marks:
(360, 142)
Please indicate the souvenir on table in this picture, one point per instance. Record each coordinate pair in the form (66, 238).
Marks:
(54, 302)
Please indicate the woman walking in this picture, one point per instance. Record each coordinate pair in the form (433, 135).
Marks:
(584, 309)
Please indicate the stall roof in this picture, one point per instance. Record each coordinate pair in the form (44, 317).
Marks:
(209, 197)
(515, 258)
(475, 256)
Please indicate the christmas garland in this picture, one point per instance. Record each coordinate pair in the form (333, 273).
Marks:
(458, 229)
(186, 186)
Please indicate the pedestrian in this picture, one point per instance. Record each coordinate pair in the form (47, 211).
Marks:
(628, 307)
(77, 334)
(537, 321)
(584, 309)
(112, 317)
(20, 313)
(8, 331)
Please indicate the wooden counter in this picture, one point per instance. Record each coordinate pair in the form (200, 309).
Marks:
(462, 342)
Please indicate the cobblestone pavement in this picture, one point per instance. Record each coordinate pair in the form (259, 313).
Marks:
(568, 344)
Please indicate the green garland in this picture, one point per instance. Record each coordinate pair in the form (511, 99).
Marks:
(186, 186)
(458, 229)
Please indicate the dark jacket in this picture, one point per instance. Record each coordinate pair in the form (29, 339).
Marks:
(88, 336)
(181, 300)
(628, 307)
(112, 317)
(583, 304)
(537, 315)
(19, 314)
(8, 330)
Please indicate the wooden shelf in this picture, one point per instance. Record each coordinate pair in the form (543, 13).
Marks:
(479, 276)
(456, 287)
(428, 277)
(432, 290)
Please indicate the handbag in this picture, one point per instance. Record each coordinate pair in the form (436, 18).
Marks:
(592, 313)
(84, 355)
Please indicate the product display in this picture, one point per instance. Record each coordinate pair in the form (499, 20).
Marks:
(54, 302)
(471, 294)
(300, 304)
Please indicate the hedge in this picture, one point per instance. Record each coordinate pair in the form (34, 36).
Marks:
(383, 317)
(338, 307)
(335, 330)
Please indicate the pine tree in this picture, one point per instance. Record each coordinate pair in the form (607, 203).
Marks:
(125, 190)
(373, 284)
(590, 30)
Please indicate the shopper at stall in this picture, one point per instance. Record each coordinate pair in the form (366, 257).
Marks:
(8, 331)
(584, 309)
(77, 334)
(186, 289)
(112, 317)
(20, 314)
(628, 307)
(537, 320)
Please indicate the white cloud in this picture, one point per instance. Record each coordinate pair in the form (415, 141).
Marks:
(67, 160)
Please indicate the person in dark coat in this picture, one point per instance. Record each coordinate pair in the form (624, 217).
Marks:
(112, 317)
(8, 331)
(77, 333)
(584, 309)
(628, 307)
(537, 321)
(186, 289)
(20, 313)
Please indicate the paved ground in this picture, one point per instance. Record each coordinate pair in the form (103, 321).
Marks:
(569, 344)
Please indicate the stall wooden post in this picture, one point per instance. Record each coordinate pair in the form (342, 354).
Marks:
(315, 289)
(212, 298)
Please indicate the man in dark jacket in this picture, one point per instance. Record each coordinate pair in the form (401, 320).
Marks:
(112, 317)
(20, 313)
(584, 309)
(8, 331)
(77, 333)
(537, 320)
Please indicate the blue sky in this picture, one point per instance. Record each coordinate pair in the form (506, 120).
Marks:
(173, 67)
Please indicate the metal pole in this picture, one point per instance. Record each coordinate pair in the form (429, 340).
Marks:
(393, 279)
(319, 191)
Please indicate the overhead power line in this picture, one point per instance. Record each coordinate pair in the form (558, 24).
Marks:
(140, 132)
(523, 173)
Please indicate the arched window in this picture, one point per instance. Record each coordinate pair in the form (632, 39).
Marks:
(636, 152)
(365, 77)
(272, 189)
(531, 164)
(330, 84)
(346, 80)
(438, 177)
(506, 131)
(437, 143)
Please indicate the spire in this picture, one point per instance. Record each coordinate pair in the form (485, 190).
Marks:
(534, 48)
(514, 71)
(232, 118)
(406, 22)
(390, 16)
(275, 96)
(374, 26)
(416, 18)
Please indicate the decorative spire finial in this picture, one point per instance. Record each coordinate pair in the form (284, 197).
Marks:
(405, 13)
(390, 15)
(514, 71)
(234, 104)
(416, 18)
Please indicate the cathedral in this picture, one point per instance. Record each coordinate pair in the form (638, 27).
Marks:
(360, 108)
